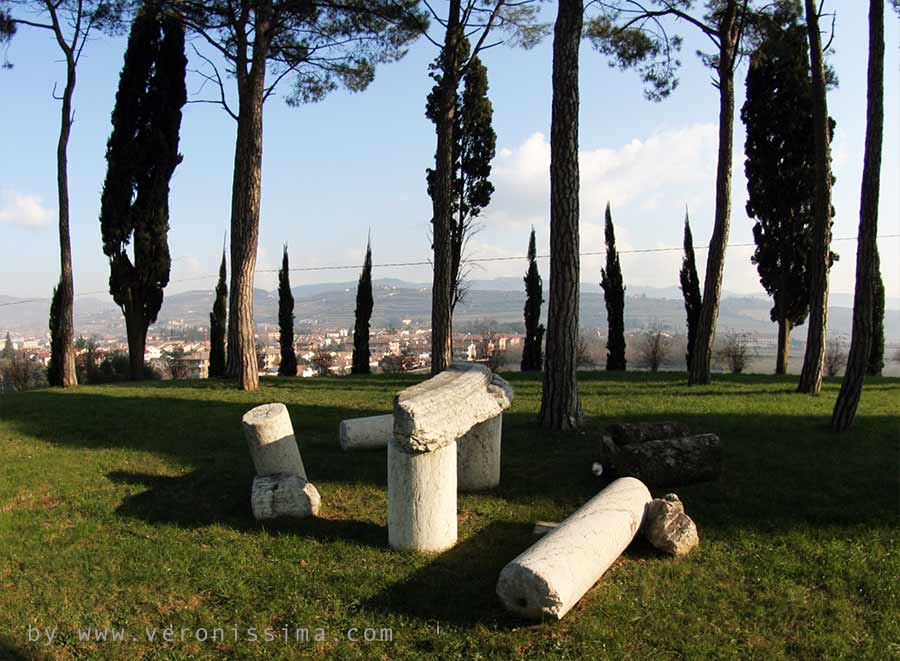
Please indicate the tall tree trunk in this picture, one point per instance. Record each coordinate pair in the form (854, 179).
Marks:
(866, 247)
(68, 376)
(715, 260)
(245, 200)
(136, 330)
(442, 285)
(560, 406)
(784, 345)
(814, 359)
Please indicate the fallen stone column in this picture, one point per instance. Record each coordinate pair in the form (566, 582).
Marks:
(370, 433)
(548, 579)
(283, 496)
(478, 456)
(421, 498)
(270, 437)
(673, 461)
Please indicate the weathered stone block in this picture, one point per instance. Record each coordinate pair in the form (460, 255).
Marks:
(283, 496)
(673, 461)
(641, 432)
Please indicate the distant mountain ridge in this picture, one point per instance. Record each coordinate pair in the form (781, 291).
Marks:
(502, 299)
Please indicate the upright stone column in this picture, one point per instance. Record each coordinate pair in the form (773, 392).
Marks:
(478, 456)
(270, 438)
(422, 455)
(548, 579)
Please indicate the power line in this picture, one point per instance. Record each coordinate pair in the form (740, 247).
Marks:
(479, 260)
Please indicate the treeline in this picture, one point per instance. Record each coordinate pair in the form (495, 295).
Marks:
(788, 161)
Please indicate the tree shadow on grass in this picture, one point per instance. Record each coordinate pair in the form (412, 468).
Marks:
(9, 651)
(200, 499)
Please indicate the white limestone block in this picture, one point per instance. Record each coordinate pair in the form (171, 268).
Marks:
(270, 437)
(370, 433)
(478, 456)
(283, 496)
(438, 411)
(548, 579)
(421, 498)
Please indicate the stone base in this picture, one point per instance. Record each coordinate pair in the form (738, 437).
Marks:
(283, 496)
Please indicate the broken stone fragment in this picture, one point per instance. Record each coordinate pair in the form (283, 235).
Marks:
(641, 432)
(283, 496)
(668, 528)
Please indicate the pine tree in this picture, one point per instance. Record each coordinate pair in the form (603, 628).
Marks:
(142, 154)
(288, 365)
(364, 304)
(218, 325)
(690, 289)
(876, 352)
(532, 351)
(614, 295)
(54, 368)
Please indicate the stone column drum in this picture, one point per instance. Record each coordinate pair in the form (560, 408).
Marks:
(548, 579)
(270, 437)
(370, 433)
(478, 456)
(422, 455)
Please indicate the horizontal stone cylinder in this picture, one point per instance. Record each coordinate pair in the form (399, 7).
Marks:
(548, 579)
(421, 498)
(478, 456)
(283, 496)
(270, 438)
(370, 433)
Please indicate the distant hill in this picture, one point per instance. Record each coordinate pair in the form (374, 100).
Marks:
(333, 304)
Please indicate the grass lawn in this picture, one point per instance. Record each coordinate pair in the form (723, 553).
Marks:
(128, 507)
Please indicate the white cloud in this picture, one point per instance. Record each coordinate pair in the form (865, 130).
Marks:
(23, 210)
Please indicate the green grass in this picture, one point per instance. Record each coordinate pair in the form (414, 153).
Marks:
(127, 506)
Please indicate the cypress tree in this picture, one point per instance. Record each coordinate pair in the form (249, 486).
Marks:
(288, 365)
(532, 351)
(8, 351)
(614, 295)
(217, 325)
(690, 289)
(54, 369)
(364, 304)
(142, 154)
(876, 352)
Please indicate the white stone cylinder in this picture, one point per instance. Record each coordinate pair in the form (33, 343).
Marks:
(478, 456)
(270, 437)
(548, 579)
(371, 433)
(283, 496)
(421, 498)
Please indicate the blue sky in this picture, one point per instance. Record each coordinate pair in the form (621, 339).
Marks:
(335, 169)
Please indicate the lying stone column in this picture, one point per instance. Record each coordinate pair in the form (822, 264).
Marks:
(371, 433)
(283, 496)
(421, 497)
(478, 456)
(270, 437)
(548, 579)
